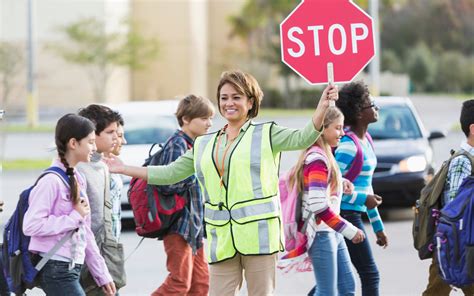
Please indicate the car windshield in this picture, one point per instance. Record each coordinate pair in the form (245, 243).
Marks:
(395, 122)
(149, 129)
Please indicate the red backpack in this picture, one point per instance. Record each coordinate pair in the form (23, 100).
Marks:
(153, 211)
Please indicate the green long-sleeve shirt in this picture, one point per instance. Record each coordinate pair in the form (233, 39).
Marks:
(283, 139)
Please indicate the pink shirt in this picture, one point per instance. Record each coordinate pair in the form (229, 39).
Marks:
(51, 215)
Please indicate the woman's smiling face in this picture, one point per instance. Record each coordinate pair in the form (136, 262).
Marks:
(233, 106)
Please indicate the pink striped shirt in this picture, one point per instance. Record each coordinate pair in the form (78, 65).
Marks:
(320, 201)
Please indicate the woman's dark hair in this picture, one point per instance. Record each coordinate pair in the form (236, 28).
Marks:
(352, 98)
(71, 126)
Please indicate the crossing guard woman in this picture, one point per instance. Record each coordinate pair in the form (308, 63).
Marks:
(237, 169)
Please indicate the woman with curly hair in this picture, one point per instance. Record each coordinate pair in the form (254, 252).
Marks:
(355, 149)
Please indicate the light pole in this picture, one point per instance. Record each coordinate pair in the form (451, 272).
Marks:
(31, 100)
(374, 66)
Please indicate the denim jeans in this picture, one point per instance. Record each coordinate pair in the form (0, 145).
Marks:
(56, 279)
(362, 258)
(4, 290)
(331, 264)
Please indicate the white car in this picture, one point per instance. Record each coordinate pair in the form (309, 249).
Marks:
(146, 123)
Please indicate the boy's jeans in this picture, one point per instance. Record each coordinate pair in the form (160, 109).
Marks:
(56, 279)
(332, 265)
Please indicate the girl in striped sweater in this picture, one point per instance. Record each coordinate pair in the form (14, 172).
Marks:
(319, 179)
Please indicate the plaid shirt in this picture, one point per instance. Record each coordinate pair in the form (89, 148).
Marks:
(176, 146)
(459, 169)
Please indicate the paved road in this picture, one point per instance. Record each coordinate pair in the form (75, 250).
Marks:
(401, 272)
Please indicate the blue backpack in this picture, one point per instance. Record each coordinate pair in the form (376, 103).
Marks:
(455, 237)
(20, 267)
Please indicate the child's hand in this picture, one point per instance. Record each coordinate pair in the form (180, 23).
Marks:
(359, 237)
(382, 239)
(372, 201)
(347, 187)
(82, 207)
(109, 289)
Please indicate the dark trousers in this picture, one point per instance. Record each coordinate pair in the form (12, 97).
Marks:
(362, 258)
(56, 279)
(4, 290)
(437, 287)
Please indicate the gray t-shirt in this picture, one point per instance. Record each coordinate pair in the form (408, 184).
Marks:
(94, 172)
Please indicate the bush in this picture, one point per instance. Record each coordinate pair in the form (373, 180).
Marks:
(421, 67)
(454, 73)
(391, 62)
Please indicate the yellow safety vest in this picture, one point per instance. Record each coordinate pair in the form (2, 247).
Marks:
(243, 216)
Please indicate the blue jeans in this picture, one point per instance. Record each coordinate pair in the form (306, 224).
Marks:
(331, 264)
(362, 258)
(55, 279)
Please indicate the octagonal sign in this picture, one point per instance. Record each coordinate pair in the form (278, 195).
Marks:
(320, 32)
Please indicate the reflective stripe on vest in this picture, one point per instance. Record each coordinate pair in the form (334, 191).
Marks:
(202, 145)
(243, 215)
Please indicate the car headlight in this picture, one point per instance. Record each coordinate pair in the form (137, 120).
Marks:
(412, 164)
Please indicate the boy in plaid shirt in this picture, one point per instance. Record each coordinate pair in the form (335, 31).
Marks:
(186, 262)
(459, 169)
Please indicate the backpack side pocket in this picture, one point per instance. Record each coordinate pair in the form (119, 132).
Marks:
(470, 261)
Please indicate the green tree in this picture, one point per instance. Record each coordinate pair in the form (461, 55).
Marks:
(391, 62)
(11, 62)
(101, 52)
(452, 71)
(421, 67)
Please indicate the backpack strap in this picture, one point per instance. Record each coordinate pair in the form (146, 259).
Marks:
(358, 161)
(53, 251)
(56, 171)
(467, 155)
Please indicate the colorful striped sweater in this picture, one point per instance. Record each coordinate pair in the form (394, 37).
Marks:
(319, 203)
(345, 154)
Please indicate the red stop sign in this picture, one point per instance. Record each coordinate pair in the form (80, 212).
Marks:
(318, 32)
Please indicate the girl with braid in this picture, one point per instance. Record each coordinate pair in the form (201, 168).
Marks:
(56, 209)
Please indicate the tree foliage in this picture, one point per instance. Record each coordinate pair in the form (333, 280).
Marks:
(415, 35)
(11, 62)
(101, 51)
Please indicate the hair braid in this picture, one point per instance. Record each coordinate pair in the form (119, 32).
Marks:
(69, 172)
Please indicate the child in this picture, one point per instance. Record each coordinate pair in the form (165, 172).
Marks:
(317, 176)
(186, 263)
(98, 189)
(116, 183)
(55, 210)
(459, 169)
(359, 111)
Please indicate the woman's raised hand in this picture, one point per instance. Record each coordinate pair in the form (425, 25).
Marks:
(330, 94)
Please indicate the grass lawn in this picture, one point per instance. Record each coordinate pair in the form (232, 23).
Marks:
(21, 128)
(26, 164)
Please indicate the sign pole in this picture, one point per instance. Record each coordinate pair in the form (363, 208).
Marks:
(330, 67)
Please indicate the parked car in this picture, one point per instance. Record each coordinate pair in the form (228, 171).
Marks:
(404, 152)
(146, 123)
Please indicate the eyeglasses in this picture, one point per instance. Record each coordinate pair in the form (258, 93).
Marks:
(372, 105)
